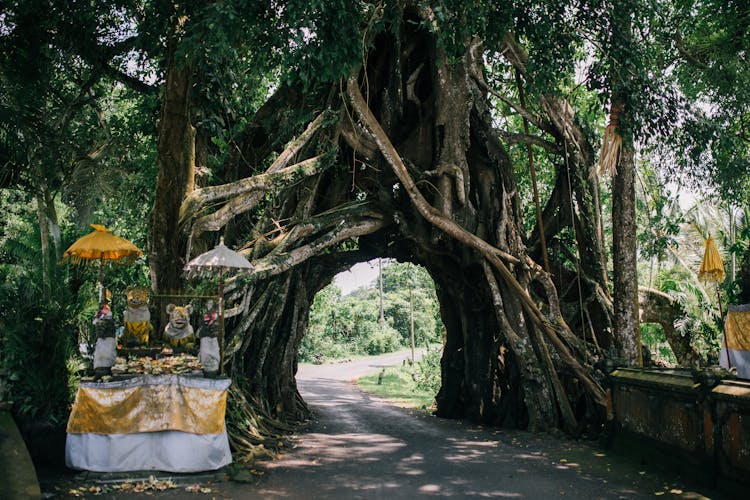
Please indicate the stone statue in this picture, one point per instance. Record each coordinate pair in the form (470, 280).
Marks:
(179, 332)
(137, 318)
(209, 355)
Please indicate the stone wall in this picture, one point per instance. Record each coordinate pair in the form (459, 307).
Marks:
(692, 421)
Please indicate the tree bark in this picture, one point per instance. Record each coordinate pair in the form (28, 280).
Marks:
(658, 307)
(625, 321)
(175, 178)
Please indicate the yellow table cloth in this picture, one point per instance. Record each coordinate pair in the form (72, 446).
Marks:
(149, 422)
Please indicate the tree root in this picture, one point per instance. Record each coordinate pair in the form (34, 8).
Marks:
(493, 255)
(253, 433)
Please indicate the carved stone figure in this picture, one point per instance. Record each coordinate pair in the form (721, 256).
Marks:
(179, 332)
(137, 318)
(209, 355)
(105, 350)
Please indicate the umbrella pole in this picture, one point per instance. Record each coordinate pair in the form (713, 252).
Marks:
(101, 280)
(723, 330)
(221, 326)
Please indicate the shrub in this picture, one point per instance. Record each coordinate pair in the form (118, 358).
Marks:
(383, 338)
(427, 370)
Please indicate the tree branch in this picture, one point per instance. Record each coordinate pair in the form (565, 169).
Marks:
(200, 197)
(687, 55)
(513, 138)
(247, 193)
(394, 160)
(273, 265)
(131, 81)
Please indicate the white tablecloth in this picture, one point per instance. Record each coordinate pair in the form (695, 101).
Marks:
(161, 447)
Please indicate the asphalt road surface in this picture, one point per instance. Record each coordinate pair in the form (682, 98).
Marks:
(360, 446)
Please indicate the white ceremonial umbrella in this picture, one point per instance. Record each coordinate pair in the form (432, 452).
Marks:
(221, 261)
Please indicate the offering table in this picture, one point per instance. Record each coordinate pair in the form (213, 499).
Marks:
(171, 423)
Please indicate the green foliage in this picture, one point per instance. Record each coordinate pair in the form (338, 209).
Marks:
(653, 336)
(397, 384)
(381, 338)
(702, 319)
(344, 326)
(38, 324)
(427, 371)
(711, 149)
(413, 386)
(659, 215)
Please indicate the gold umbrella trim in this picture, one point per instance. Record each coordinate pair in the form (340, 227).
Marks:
(100, 245)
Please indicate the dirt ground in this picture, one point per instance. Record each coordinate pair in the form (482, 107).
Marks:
(360, 446)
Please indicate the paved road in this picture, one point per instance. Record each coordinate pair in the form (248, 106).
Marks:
(359, 446)
(350, 370)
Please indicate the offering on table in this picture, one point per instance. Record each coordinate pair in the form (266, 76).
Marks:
(137, 318)
(179, 332)
(179, 364)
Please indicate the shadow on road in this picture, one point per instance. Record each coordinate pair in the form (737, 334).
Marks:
(361, 447)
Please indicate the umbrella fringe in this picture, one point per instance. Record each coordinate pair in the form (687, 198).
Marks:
(96, 261)
(714, 276)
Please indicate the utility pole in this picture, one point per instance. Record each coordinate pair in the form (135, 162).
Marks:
(380, 275)
(411, 316)
(732, 241)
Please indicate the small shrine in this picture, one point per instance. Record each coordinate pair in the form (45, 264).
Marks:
(156, 398)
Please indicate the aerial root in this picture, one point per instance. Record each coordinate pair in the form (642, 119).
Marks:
(253, 433)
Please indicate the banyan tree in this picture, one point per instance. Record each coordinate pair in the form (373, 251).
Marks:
(408, 156)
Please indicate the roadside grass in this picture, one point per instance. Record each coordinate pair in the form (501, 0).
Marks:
(398, 386)
(356, 357)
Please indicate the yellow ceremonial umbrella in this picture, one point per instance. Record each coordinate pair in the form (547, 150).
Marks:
(712, 269)
(100, 245)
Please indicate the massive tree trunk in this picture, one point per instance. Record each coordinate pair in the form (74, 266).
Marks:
(175, 179)
(417, 172)
(627, 331)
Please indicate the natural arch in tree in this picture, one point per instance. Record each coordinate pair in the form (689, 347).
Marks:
(402, 159)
